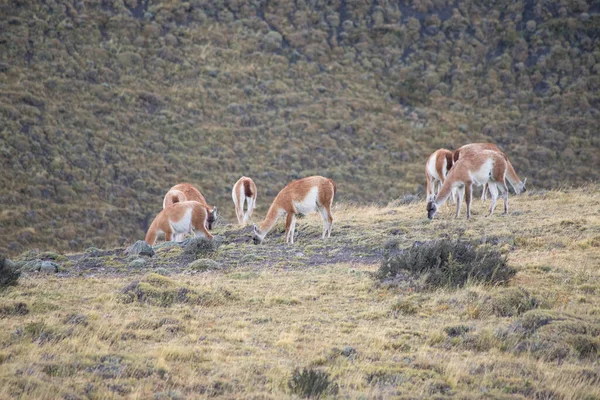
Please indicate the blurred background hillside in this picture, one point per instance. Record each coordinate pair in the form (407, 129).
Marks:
(105, 105)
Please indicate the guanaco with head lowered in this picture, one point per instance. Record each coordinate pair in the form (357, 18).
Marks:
(187, 192)
(479, 168)
(177, 220)
(314, 193)
(511, 175)
(244, 191)
(437, 167)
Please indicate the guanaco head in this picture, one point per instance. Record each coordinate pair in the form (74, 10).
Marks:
(211, 217)
(257, 238)
(431, 208)
(521, 187)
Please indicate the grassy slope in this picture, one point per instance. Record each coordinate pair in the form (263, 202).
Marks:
(105, 105)
(281, 312)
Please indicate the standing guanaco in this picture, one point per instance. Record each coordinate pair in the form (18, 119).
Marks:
(437, 167)
(244, 191)
(177, 220)
(479, 168)
(187, 192)
(314, 193)
(511, 175)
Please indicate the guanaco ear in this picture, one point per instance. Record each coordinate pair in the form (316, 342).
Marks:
(214, 211)
(524, 181)
(255, 228)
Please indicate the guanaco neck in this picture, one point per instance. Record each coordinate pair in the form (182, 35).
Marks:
(445, 192)
(512, 176)
(267, 224)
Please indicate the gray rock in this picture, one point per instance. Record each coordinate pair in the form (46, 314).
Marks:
(140, 248)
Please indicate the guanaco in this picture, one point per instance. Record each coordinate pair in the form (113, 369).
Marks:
(244, 191)
(437, 167)
(187, 192)
(178, 220)
(511, 175)
(479, 168)
(311, 194)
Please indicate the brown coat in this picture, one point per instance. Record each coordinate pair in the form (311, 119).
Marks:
(314, 193)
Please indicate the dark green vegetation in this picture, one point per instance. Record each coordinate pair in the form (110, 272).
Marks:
(310, 383)
(447, 263)
(9, 273)
(104, 105)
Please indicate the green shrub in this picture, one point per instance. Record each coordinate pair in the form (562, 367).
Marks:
(447, 263)
(9, 273)
(311, 383)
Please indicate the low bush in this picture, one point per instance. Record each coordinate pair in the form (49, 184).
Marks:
(9, 273)
(311, 383)
(447, 263)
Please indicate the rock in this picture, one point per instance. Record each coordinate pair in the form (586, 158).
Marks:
(40, 266)
(140, 248)
(49, 267)
(203, 264)
(137, 263)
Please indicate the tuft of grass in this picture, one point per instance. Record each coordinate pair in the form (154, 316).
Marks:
(311, 383)
(448, 263)
(203, 264)
(509, 302)
(159, 290)
(198, 247)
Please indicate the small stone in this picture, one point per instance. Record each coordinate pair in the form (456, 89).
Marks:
(140, 248)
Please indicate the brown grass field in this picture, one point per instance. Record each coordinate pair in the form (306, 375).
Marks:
(241, 329)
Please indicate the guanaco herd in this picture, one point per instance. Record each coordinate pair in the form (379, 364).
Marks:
(449, 173)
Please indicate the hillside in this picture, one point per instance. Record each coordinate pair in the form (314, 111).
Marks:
(106, 104)
(278, 321)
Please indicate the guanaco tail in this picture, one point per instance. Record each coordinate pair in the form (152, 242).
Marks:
(244, 191)
(311, 194)
(177, 220)
(479, 168)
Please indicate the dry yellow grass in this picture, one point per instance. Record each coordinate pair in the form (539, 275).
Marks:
(80, 340)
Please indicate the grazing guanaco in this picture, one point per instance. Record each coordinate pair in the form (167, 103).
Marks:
(479, 168)
(177, 220)
(314, 193)
(511, 175)
(187, 192)
(437, 167)
(244, 191)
